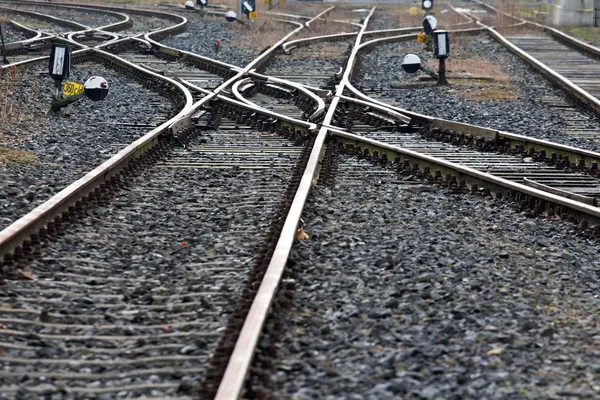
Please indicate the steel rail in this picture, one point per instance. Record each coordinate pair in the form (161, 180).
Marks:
(586, 47)
(180, 24)
(324, 38)
(562, 81)
(317, 17)
(239, 364)
(496, 184)
(71, 35)
(248, 82)
(17, 232)
(401, 38)
(320, 109)
(341, 36)
(565, 83)
(573, 153)
(240, 73)
(114, 25)
(42, 58)
(20, 43)
(392, 113)
(294, 16)
(20, 230)
(46, 17)
(249, 106)
(322, 93)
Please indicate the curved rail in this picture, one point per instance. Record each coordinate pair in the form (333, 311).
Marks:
(469, 175)
(241, 359)
(317, 17)
(18, 44)
(562, 81)
(20, 230)
(324, 38)
(46, 17)
(247, 82)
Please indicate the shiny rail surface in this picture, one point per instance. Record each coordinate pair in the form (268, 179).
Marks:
(236, 96)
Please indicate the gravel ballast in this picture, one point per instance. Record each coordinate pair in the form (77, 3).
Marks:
(314, 65)
(10, 33)
(202, 34)
(405, 291)
(526, 114)
(145, 285)
(94, 19)
(53, 152)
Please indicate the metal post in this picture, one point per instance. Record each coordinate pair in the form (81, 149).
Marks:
(596, 13)
(240, 9)
(4, 60)
(442, 73)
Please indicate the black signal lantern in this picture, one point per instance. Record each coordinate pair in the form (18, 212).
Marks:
(427, 5)
(60, 62)
(441, 44)
(248, 6)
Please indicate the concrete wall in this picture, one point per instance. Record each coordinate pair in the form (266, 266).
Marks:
(572, 12)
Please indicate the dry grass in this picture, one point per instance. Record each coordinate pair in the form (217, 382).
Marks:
(260, 34)
(402, 17)
(496, 85)
(14, 99)
(13, 156)
(489, 92)
(473, 65)
(588, 34)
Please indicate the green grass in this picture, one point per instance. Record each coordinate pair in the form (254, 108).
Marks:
(587, 33)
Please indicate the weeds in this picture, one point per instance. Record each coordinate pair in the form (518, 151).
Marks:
(13, 97)
(473, 65)
(13, 156)
(262, 33)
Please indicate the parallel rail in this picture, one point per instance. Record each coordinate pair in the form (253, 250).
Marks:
(564, 83)
(233, 381)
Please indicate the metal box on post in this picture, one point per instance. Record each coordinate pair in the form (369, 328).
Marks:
(60, 62)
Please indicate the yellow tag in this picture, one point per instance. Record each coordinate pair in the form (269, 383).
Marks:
(267, 2)
(72, 88)
(422, 38)
(253, 15)
(413, 11)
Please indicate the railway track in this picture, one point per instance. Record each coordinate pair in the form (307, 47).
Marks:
(567, 61)
(117, 286)
(170, 315)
